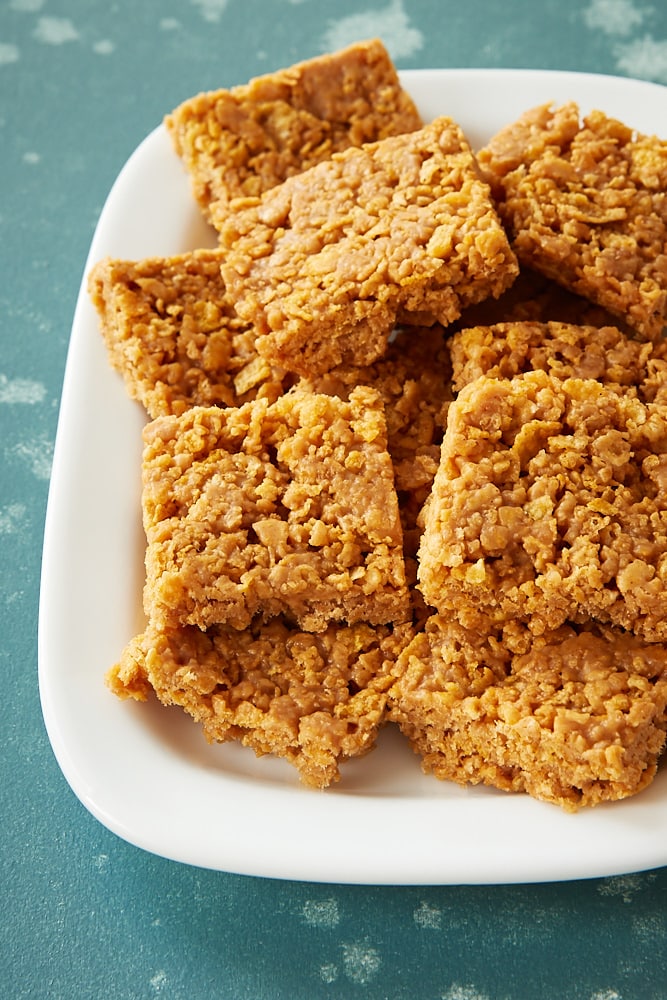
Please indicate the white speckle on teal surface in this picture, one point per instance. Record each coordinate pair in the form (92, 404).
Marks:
(321, 912)
(606, 995)
(14, 598)
(37, 455)
(31, 158)
(459, 991)
(12, 518)
(101, 862)
(361, 962)
(21, 390)
(644, 58)
(649, 930)
(159, 981)
(169, 24)
(428, 917)
(9, 53)
(390, 23)
(27, 6)
(625, 886)
(212, 10)
(613, 17)
(328, 972)
(55, 31)
(104, 47)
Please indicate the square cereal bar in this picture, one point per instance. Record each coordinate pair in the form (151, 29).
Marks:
(575, 717)
(564, 350)
(585, 203)
(242, 141)
(549, 505)
(315, 700)
(325, 264)
(172, 333)
(269, 508)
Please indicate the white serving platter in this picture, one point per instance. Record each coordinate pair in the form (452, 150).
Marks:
(145, 771)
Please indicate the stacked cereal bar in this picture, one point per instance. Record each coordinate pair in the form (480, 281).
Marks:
(174, 335)
(407, 455)
(402, 230)
(586, 204)
(313, 699)
(574, 716)
(238, 143)
(285, 508)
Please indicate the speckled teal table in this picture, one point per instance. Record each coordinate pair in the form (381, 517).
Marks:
(85, 915)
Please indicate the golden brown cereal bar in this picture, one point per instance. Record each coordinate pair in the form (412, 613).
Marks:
(172, 333)
(288, 507)
(586, 204)
(242, 141)
(560, 349)
(400, 230)
(576, 716)
(550, 504)
(315, 700)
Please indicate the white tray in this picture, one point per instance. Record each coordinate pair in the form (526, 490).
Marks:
(145, 771)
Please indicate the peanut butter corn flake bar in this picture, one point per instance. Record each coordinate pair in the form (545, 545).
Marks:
(585, 203)
(315, 700)
(172, 333)
(576, 716)
(402, 230)
(550, 504)
(242, 141)
(265, 509)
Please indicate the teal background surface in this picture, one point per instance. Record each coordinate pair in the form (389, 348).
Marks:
(85, 915)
